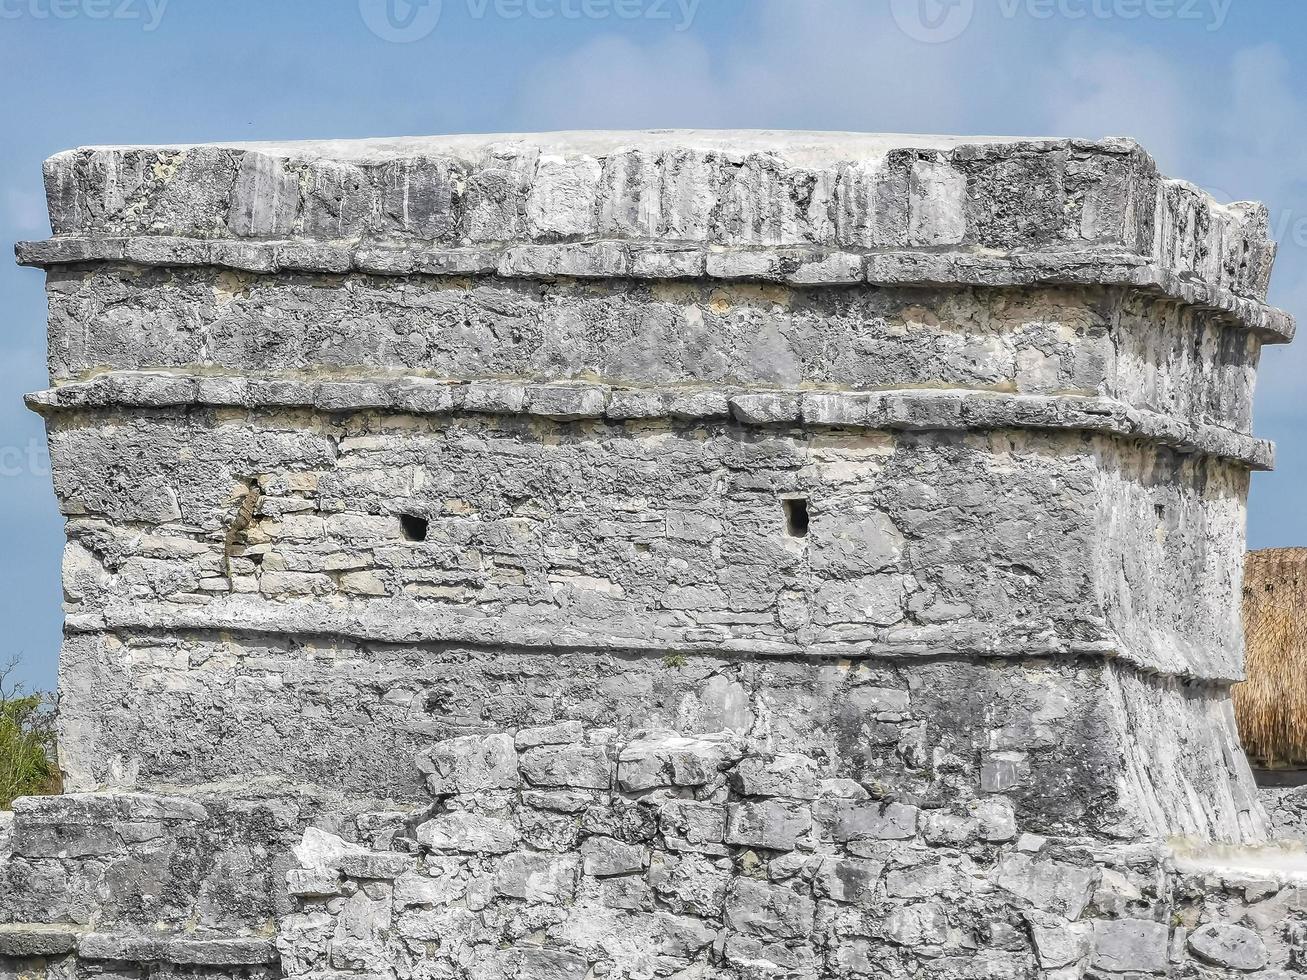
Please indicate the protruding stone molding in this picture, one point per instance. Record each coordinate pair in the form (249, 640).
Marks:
(413, 622)
(796, 266)
(898, 410)
(853, 191)
(28, 939)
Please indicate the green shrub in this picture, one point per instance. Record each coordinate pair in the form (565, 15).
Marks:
(27, 747)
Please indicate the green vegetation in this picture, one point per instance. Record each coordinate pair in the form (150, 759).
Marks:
(27, 755)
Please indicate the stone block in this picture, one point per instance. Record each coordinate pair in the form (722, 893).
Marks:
(1048, 885)
(423, 889)
(562, 733)
(539, 963)
(774, 825)
(604, 857)
(567, 402)
(579, 766)
(239, 951)
(690, 884)
(673, 760)
(1131, 946)
(1230, 946)
(468, 833)
(313, 883)
(535, 876)
(691, 826)
(125, 947)
(786, 774)
(768, 911)
(757, 957)
(850, 820)
(376, 866)
(30, 940)
(850, 880)
(917, 924)
(470, 764)
(1059, 943)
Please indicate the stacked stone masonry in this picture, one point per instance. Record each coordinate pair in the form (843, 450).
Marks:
(697, 555)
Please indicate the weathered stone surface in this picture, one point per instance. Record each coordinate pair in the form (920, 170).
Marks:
(787, 774)
(469, 833)
(23, 942)
(671, 760)
(1059, 943)
(688, 555)
(694, 826)
(1049, 886)
(604, 857)
(1231, 946)
(1131, 945)
(537, 877)
(774, 825)
(850, 880)
(470, 764)
(770, 911)
(860, 820)
(580, 766)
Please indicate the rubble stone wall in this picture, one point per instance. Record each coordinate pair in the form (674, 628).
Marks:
(697, 555)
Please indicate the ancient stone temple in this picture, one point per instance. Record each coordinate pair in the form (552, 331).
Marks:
(673, 554)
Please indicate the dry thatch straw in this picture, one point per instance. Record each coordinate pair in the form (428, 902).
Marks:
(1271, 705)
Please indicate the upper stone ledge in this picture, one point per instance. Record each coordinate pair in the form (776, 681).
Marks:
(854, 193)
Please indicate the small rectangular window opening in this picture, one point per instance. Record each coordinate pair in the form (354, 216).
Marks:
(796, 516)
(414, 528)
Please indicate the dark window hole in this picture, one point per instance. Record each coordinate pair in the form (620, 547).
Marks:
(415, 528)
(796, 517)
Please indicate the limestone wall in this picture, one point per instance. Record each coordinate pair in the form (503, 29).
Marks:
(648, 555)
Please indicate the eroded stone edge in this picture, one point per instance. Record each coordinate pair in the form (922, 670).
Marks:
(795, 266)
(895, 410)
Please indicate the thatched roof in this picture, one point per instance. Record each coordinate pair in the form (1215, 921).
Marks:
(1271, 705)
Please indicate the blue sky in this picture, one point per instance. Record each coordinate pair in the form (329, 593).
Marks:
(1215, 89)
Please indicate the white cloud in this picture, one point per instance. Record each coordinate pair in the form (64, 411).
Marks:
(805, 64)
(611, 82)
(1097, 86)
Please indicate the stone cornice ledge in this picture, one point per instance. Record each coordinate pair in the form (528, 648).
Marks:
(414, 622)
(898, 410)
(805, 208)
(795, 266)
(29, 939)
